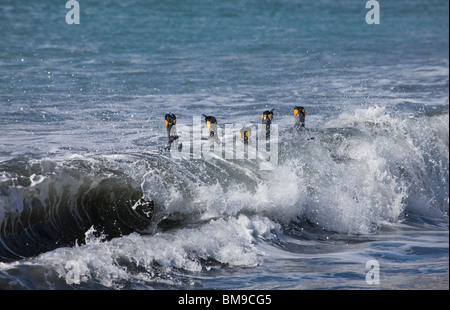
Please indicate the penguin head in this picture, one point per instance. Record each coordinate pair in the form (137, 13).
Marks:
(299, 114)
(245, 134)
(210, 120)
(267, 117)
(170, 120)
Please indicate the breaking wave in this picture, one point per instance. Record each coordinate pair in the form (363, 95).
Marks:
(360, 172)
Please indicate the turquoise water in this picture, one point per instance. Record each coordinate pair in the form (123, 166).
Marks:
(82, 136)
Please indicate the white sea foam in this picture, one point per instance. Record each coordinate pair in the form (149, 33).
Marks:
(223, 241)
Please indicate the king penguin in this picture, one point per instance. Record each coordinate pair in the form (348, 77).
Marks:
(170, 121)
(211, 123)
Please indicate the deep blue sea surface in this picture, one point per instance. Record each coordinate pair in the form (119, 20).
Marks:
(357, 199)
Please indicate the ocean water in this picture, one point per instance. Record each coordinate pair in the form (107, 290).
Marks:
(90, 198)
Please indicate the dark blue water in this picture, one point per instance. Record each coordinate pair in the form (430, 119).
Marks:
(90, 199)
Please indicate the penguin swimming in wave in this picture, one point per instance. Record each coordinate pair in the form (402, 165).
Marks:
(211, 123)
(245, 134)
(299, 115)
(266, 119)
(170, 121)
